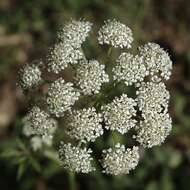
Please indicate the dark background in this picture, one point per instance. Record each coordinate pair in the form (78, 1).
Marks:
(27, 29)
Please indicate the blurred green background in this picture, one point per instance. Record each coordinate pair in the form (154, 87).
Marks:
(27, 29)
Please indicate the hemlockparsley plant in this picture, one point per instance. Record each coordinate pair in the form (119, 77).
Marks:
(87, 104)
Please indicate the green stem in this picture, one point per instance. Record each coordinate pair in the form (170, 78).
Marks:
(109, 51)
(108, 61)
(71, 179)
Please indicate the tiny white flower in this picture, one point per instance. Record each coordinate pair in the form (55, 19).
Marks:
(118, 114)
(120, 160)
(61, 96)
(116, 34)
(84, 125)
(76, 159)
(90, 76)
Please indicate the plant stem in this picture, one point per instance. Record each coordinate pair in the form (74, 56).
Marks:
(109, 51)
(71, 179)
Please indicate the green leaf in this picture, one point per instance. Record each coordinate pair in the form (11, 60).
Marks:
(175, 159)
(9, 153)
(166, 181)
(34, 163)
(21, 170)
(152, 186)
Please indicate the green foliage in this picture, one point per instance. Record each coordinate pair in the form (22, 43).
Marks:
(16, 153)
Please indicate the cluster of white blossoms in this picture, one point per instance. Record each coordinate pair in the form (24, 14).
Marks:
(116, 34)
(92, 103)
(68, 48)
(76, 159)
(130, 69)
(61, 55)
(29, 76)
(40, 126)
(154, 131)
(156, 60)
(75, 32)
(84, 125)
(61, 96)
(90, 76)
(120, 160)
(152, 98)
(119, 114)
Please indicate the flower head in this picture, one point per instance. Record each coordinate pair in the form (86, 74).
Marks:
(75, 32)
(119, 160)
(116, 34)
(30, 76)
(61, 55)
(40, 127)
(90, 76)
(154, 131)
(75, 159)
(157, 60)
(86, 106)
(129, 69)
(118, 115)
(152, 98)
(84, 125)
(61, 96)
(38, 122)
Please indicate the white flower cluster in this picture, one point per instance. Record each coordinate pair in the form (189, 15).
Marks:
(61, 55)
(154, 131)
(75, 32)
(30, 76)
(84, 125)
(76, 159)
(40, 122)
(152, 98)
(68, 49)
(40, 126)
(157, 60)
(119, 160)
(61, 96)
(118, 115)
(130, 69)
(90, 76)
(116, 34)
(146, 111)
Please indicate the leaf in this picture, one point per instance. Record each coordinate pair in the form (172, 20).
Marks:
(166, 181)
(175, 159)
(21, 145)
(34, 163)
(9, 153)
(152, 186)
(21, 170)
(51, 169)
